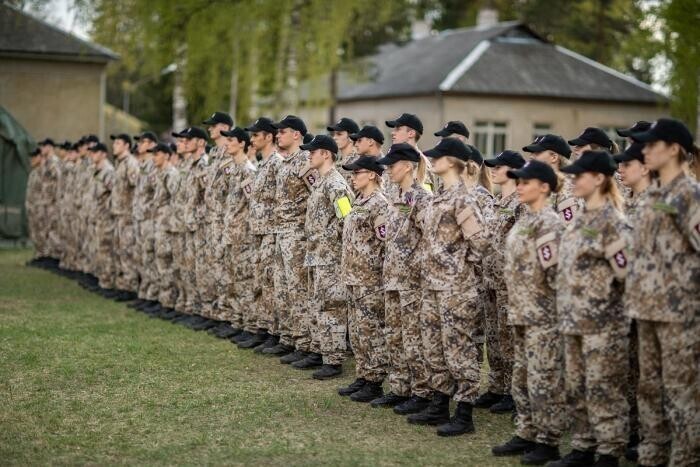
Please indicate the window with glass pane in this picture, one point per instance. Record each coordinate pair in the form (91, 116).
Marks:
(540, 129)
(490, 137)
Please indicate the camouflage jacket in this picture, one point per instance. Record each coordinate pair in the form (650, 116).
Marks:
(51, 174)
(179, 198)
(593, 263)
(324, 219)
(455, 232)
(236, 206)
(294, 181)
(484, 199)
(344, 161)
(217, 185)
(364, 234)
(404, 227)
(195, 187)
(87, 195)
(143, 194)
(632, 202)
(103, 184)
(261, 189)
(126, 177)
(167, 183)
(506, 212)
(33, 194)
(531, 255)
(664, 276)
(564, 201)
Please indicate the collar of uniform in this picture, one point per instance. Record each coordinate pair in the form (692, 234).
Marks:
(264, 162)
(226, 162)
(292, 156)
(670, 186)
(446, 193)
(501, 201)
(362, 201)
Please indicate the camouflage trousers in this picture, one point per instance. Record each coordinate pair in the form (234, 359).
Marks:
(485, 302)
(366, 326)
(538, 384)
(264, 309)
(148, 288)
(237, 292)
(178, 250)
(328, 308)
(104, 259)
(499, 343)
(669, 393)
(202, 272)
(291, 285)
(448, 320)
(633, 379)
(125, 257)
(189, 272)
(165, 266)
(34, 226)
(596, 368)
(408, 372)
(73, 251)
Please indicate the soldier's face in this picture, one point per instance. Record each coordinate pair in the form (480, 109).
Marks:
(441, 165)
(548, 157)
(181, 145)
(286, 137)
(46, 149)
(159, 158)
(316, 158)
(401, 134)
(632, 172)
(499, 174)
(659, 153)
(586, 184)
(118, 146)
(233, 146)
(360, 179)
(342, 139)
(399, 170)
(576, 151)
(363, 145)
(145, 144)
(530, 191)
(215, 130)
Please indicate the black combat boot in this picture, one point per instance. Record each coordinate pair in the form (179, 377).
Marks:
(254, 341)
(279, 350)
(413, 405)
(241, 336)
(575, 458)
(352, 387)
(436, 413)
(370, 391)
(505, 405)
(540, 455)
(513, 447)
(487, 399)
(125, 296)
(388, 400)
(295, 356)
(460, 423)
(327, 372)
(270, 342)
(169, 314)
(226, 332)
(312, 360)
(607, 460)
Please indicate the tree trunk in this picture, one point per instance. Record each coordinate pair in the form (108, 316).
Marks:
(179, 99)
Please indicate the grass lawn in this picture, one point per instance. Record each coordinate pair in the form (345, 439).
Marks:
(84, 380)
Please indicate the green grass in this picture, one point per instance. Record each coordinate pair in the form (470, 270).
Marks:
(84, 380)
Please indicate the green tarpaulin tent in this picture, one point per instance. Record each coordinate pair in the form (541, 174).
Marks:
(15, 145)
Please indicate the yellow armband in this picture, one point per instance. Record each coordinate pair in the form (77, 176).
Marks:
(342, 207)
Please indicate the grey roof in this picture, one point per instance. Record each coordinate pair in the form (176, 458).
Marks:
(507, 59)
(24, 35)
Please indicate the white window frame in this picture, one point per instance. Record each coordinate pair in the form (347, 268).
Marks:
(491, 129)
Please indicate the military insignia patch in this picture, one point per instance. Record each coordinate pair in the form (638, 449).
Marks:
(227, 170)
(615, 252)
(695, 230)
(547, 250)
(380, 228)
(247, 187)
(567, 209)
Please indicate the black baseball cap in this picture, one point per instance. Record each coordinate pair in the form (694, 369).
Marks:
(408, 120)
(450, 147)
(147, 135)
(592, 161)
(262, 124)
(536, 170)
(592, 135)
(669, 130)
(293, 122)
(307, 138)
(98, 147)
(46, 142)
(371, 132)
(161, 147)
(633, 152)
(66, 145)
(454, 127)
(219, 117)
(194, 132)
(180, 134)
(365, 162)
(400, 152)
(512, 159)
(239, 133)
(122, 136)
(549, 143)
(345, 124)
(321, 142)
(638, 127)
(91, 139)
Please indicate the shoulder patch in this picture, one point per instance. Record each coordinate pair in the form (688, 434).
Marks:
(567, 209)
(547, 250)
(615, 253)
(380, 227)
(468, 222)
(247, 187)
(308, 175)
(694, 226)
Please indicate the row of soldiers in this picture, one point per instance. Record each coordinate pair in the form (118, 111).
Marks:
(585, 301)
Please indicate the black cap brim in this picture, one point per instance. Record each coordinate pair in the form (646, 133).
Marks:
(334, 128)
(392, 123)
(253, 129)
(622, 157)
(495, 162)
(386, 160)
(433, 154)
(578, 142)
(352, 166)
(534, 148)
(308, 147)
(209, 121)
(354, 136)
(645, 137)
(573, 169)
(625, 133)
(442, 133)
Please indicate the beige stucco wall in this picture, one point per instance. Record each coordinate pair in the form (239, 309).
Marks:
(566, 118)
(61, 100)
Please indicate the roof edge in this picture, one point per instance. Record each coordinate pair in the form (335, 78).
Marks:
(53, 56)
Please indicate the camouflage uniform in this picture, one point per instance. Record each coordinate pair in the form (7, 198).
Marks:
(531, 254)
(125, 179)
(64, 210)
(362, 260)
(665, 300)
(237, 292)
(179, 233)
(211, 268)
(563, 201)
(450, 308)
(50, 216)
(344, 160)
(195, 240)
(408, 372)
(294, 181)
(104, 226)
(328, 294)
(590, 280)
(33, 206)
(167, 183)
(87, 220)
(144, 230)
(499, 335)
(263, 223)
